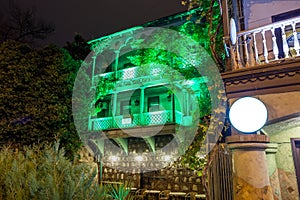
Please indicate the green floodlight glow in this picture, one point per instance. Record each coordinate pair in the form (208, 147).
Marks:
(120, 33)
(169, 79)
(248, 114)
(189, 82)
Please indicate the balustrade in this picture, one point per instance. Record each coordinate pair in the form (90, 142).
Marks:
(151, 73)
(144, 119)
(261, 45)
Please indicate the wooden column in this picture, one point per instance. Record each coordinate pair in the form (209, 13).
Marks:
(142, 105)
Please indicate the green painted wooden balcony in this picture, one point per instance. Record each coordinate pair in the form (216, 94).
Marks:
(136, 120)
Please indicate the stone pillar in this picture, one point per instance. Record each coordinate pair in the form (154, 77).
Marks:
(273, 171)
(250, 170)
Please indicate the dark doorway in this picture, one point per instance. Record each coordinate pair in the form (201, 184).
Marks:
(296, 155)
(153, 104)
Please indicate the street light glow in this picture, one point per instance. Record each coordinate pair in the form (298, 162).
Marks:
(248, 114)
(113, 158)
(139, 158)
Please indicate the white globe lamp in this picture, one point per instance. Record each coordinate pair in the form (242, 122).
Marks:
(248, 114)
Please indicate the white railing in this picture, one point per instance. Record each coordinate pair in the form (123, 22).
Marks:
(133, 73)
(149, 118)
(158, 117)
(263, 45)
(127, 74)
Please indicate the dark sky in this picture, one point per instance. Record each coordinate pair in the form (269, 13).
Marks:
(95, 18)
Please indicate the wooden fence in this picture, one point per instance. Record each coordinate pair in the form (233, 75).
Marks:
(220, 174)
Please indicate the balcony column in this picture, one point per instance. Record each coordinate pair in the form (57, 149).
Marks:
(90, 123)
(188, 100)
(114, 107)
(117, 52)
(142, 104)
(184, 102)
(93, 70)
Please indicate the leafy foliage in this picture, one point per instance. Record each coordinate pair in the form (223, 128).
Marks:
(36, 95)
(79, 48)
(120, 191)
(210, 30)
(45, 173)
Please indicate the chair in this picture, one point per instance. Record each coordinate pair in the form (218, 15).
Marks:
(139, 194)
(164, 194)
(190, 196)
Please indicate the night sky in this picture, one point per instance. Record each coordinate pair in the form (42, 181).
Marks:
(95, 18)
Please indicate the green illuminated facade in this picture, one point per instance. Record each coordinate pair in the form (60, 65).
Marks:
(144, 99)
(123, 102)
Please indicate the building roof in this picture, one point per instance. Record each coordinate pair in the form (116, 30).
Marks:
(171, 20)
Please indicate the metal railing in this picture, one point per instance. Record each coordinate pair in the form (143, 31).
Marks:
(264, 44)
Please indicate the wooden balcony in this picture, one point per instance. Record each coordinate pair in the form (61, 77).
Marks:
(265, 60)
(137, 120)
(132, 74)
(272, 43)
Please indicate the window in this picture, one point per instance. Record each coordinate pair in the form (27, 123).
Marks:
(153, 104)
(125, 107)
(102, 113)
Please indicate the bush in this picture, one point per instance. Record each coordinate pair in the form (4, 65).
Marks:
(45, 173)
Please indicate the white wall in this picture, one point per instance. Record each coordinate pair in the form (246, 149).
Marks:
(259, 12)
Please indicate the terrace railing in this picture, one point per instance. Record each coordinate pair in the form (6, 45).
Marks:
(151, 73)
(135, 120)
(263, 45)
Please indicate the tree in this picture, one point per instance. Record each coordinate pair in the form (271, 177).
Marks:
(79, 48)
(23, 25)
(211, 28)
(212, 37)
(36, 94)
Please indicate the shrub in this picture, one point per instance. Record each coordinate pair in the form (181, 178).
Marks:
(45, 173)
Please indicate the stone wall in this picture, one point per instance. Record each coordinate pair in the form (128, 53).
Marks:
(170, 178)
(159, 174)
(281, 134)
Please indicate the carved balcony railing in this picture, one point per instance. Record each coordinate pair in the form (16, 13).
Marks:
(264, 44)
(131, 74)
(135, 120)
